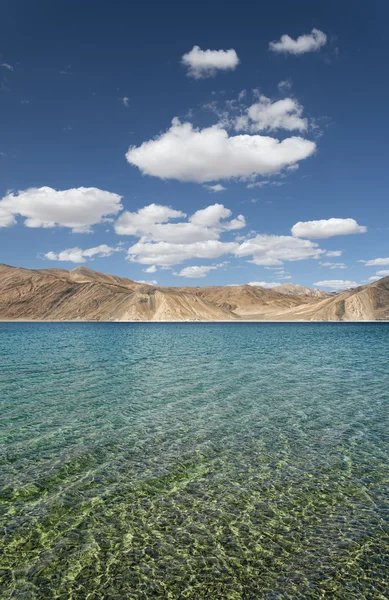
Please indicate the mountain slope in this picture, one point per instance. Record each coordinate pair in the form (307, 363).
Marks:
(83, 294)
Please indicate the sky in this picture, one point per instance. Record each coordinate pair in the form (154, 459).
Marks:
(219, 143)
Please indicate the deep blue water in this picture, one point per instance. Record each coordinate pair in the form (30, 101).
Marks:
(230, 460)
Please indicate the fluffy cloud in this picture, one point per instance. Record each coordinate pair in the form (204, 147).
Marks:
(166, 254)
(376, 262)
(304, 43)
(383, 273)
(77, 255)
(77, 208)
(125, 101)
(326, 228)
(151, 224)
(266, 115)
(337, 284)
(210, 154)
(151, 269)
(206, 63)
(195, 272)
(264, 284)
(272, 250)
(333, 253)
(147, 282)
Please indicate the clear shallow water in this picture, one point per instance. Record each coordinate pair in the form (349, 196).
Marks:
(199, 461)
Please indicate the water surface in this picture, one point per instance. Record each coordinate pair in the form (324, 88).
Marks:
(202, 461)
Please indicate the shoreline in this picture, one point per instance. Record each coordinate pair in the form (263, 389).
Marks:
(191, 321)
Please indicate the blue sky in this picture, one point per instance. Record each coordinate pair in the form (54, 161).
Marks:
(112, 143)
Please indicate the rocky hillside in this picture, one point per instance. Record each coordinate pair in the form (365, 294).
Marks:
(83, 294)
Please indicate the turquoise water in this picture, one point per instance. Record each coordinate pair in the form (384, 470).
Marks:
(201, 461)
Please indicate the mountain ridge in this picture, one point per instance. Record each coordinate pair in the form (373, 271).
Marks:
(82, 294)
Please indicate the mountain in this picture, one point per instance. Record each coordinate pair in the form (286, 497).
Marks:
(84, 294)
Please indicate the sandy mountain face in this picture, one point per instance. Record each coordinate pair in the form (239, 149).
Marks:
(83, 294)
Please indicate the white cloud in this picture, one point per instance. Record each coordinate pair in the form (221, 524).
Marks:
(374, 278)
(332, 265)
(272, 250)
(264, 284)
(77, 255)
(7, 66)
(147, 282)
(77, 208)
(266, 115)
(304, 43)
(125, 101)
(326, 228)
(206, 63)
(337, 284)
(166, 254)
(376, 262)
(285, 85)
(210, 154)
(195, 272)
(151, 269)
(383, 273)
(216, 188)
(333, 253)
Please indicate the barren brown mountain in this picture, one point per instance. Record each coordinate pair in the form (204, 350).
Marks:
(83, 294)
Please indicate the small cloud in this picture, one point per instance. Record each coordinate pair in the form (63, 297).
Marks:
(206, 63)
(147, 282)
(334, 253)
(332, 265)
(7, 66)
(376, 262)
(24, 102)
(284, 85)
(264, 284)
(265, 183)
(151, 269)
(326, 228)
(304, 43)
(125, 101)
(216, 188)
(196, 272)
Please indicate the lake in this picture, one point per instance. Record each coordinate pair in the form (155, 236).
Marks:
(194, 460)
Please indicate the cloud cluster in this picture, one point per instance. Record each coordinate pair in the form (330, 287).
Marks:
(210, 154)
(167, 254)
(77, 255)
(266, 115)
(77, 208)
(151, 223)
(327, 228)
(272, 250)
(311, 42)
(206, 63)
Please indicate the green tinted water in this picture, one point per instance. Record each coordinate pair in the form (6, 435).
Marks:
(199, 461)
